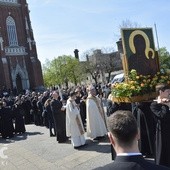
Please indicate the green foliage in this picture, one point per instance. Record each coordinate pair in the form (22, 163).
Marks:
(47, 74)
(62, 70)
(164, 58)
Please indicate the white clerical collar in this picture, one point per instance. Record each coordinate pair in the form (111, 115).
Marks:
(128, 154)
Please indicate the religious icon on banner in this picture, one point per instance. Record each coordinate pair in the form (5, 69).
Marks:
(139, 51)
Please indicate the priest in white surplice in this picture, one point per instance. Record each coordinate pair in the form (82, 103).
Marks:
(96, 125)
(74, 125)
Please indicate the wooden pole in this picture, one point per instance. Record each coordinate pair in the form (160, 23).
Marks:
(157, 37)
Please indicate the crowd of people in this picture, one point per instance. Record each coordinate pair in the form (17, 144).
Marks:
(46, 109)
(72, 112)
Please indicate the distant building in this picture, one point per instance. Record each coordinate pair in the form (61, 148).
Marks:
(106, 62)
(20, 67)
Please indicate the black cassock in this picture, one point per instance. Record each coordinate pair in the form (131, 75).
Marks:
(146, 125)
(50, 119)
(19, 118)
(0, 123)
(7, 127)
(59, 120)
(162, 143)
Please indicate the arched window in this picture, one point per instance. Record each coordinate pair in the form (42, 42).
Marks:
(11, 30)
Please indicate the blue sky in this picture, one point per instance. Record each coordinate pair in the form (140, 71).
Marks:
(60, 26)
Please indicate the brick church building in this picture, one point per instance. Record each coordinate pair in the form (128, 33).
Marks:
(19, 66)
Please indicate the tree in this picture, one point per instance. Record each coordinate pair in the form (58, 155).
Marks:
(99, 63)
(164, 58)
(129, 24)
(73, 70)
(92, 69)
(62, 70)
(107, 49)
(87, 53)
(48, 74)
(111, 63)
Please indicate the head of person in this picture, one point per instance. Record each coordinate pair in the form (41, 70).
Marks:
(77, 91)
(92, 90)
(47, 102)
(123, 131)
(73, 95)
(33, 93)
(55, 95)
(45, 93)
(18, 101)
(163, 90)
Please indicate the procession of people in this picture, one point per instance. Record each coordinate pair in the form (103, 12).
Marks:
(49, 109)
(68, 119)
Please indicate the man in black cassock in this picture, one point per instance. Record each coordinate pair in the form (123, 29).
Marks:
(59, 118)
(161, 111)
(7, 127)
(18, 116)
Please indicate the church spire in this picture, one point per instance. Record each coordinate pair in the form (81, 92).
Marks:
(28, 34)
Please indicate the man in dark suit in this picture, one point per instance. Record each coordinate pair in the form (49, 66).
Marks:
(124, 136)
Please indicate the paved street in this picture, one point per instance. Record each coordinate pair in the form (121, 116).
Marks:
(35, 150)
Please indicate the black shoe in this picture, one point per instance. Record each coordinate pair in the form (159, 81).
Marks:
(101, 137)
(52, 135)
(95, 139)
(77, 147)
(11, 136)
(84, 145)
(61, 141)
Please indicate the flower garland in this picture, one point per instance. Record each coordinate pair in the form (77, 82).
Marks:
(139, 84)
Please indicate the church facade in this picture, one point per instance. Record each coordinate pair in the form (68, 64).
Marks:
(20, 67)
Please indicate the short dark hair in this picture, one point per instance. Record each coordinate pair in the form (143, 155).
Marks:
(123, 126)
(72, 93)
(162, 87)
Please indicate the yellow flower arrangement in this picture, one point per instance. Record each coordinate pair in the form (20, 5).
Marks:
(138, 85)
